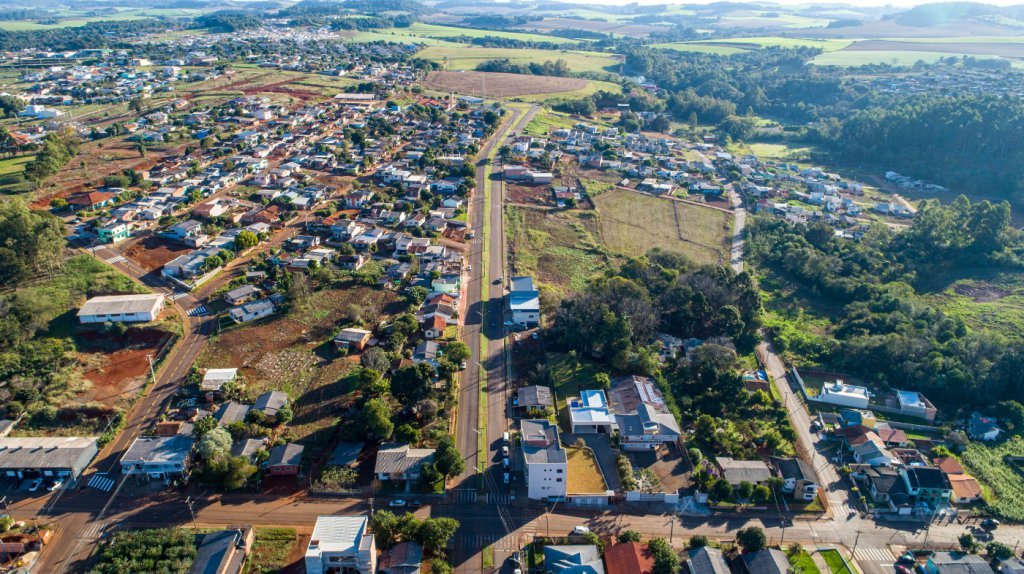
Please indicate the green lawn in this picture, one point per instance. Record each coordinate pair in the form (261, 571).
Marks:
(568, 378)
(836, 564)
(803, 563)
(424, 30)
(270, 550)
(701, 48)
(592, 87)
(459, 57)
(547, 121)
(12, 178)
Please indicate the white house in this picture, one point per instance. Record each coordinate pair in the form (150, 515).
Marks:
(122, 308)
(524, 301)
(547, 468)
(341, 544)
(589, 413)
(839, 393)
(158, 457)
(215, 379)
(252, 311)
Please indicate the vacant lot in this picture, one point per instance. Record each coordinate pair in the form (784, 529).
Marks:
(632, 224)
(559, 248)
(584, 475)
(12, 175)
(468, 58)
(117, 365)
(152, 252)
(500, 85)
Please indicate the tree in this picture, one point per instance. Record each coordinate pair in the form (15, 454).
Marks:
(457, 352)
(245, 239)
(698, 541)
(968, 543)
(238, 472)
(298, 287)
(720, 490)
(376, 419)
(666, 561)
(204, 425)
(998, 550)
(376, 359)
(629, 536)
(407, 434)
(284, 414)
(762, 494)
(440, 566)
(434, 533)
(745, 490)
(214, 443)
(602, 380)
(413, 382)
(447, 458)
(385, 528)
(751, 539)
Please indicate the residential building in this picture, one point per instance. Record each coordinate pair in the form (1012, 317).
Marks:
(242, 294)
(845, 395)
(981, 427)
(647, 428)
(927, 484)
(405, 558)
(767, 561)
(252, 311)
(885, 484)
(284, 460)
(955, 563)
(158, 457)
(914, 404)
(270, 402)
(798, 477)
(215, 379)
(223, 551)
(231, 412)
(546, 465)
(966, 489)
(589, 413)
(706, 560)
(572, 559)
(399, 462)
(737, 471)
(427, 352)
(113, 232)
(628, 558)
(524, 301)
(122, 308)
(352, 339)
(31, 457)
(341, 544)
(533, 398)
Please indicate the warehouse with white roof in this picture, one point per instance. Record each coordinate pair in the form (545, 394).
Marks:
(122, 308)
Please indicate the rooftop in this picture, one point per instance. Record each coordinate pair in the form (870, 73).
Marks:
(399, 459)
(159, 449)
(540, 442)
(121, 304)
(44, 452)
(340, 534)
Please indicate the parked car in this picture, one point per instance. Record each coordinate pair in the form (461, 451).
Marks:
(506, 478)
(990, 524)
(56, 484)
(504, 451)
(505, 462)
(581, 530)
(397, 503)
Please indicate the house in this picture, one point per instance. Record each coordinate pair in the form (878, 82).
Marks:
(845, 395)
(927, 484)
(352, 339)
(949, 465)
(92, 200)
(247, 447)
(737, 471)
(405, 558)
(966, 489)
(546, 465)
(534, 398)
(223, 551)
(399, 462)
(798, 477)
(706, 560)
(215, 379)
(589, 413)
(121, 308)
(873, 452)
(572, 559)
(981, 427)
(113, 232)
(1011, 566)
(341, 544)
(427, 352)
(184, 230)
(628, 558)
(914, 404)
(647, 428)
(158, 457)
(955, 563)
(892, 437)
(885, 484)
(24, 457)
(240, 295)
(231, 412)
(434, 327)
(524, 301)
(284, 460)
(767, 561)
(252, 311)
(270, 402)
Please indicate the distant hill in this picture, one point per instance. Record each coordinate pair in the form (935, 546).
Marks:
(946, 13)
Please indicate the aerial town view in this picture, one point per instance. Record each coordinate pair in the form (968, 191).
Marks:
(480, 286)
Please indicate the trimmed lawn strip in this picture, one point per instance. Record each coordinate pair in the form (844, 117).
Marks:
(836, 563)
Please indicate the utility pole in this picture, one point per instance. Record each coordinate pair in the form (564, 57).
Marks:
(189, 502)
(855, 541)
(152, 373)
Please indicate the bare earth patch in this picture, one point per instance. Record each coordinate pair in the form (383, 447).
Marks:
(494, 84)
(981, 292)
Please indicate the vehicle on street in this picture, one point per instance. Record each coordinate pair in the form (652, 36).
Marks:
(397, 503)
(35, 484)
(505, 478)
(469, 267)
(506, 462)
(504, 437)
(462, 367)
(56, 484)
(990, 524)
(581, 530)
(498, 280)
(504, 451)
(470, 235)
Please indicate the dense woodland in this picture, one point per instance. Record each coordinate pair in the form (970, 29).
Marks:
(880, 328)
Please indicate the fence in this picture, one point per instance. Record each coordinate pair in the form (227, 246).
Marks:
(664, 497)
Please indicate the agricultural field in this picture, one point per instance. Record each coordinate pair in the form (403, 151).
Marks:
(852, 58)
(992, 49)
(12, 175)
(633, 223)
(498, 85)
(293, 353)
(605, 26)
(468, 58)
(701, 48)
(1004, 486)
(592, 87)
(424, 30)
(559, 248)
(392, 35)
(74, 21)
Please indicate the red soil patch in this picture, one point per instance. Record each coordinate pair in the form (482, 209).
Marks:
(151, 252)
(121, 372)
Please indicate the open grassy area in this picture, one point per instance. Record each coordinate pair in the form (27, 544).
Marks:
(893, 57)
(836, 564)
(592, 87)
(803, 563)
(1004, 487)
(584, 475)
(560, 249)
(701, 48)
(12, 175)
(424, 30)
(468, 58)
(74, 21)
(827, 45)
(548, 121)
(632, 224)
(270, 550)
(987, 300)
(568, 378)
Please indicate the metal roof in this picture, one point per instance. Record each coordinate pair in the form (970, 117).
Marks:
(121, 304)
(44, 452)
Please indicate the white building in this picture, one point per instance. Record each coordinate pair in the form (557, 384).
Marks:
(215, 379)
(547, 468)
(341, 544)
(252, 311)
(158, 457)
(122, 308)
(845, 395)
(589, 413)
(524, 301)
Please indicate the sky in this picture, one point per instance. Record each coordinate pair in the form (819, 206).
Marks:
(872, 3)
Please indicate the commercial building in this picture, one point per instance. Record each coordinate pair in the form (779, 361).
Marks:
(122, 308)
(158, 457)
(547, 467)
(341, 544)
(34, 457)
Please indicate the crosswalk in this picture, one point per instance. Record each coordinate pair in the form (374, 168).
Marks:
(464, 495)
(471, 496)
(498, 498)
(92, 531)
(198, 311)
(495, 541)
(102, 482)
(116, 259)
(175, 296)
(874, 555)
(840, 510)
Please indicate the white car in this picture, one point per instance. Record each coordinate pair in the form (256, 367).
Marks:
(398, 503)
(581, 530)
(56, 484)
(504, 451)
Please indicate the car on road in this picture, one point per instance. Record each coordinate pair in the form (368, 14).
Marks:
(470, 235)
(505, 462)
(504, 451)
(469, 267)
(56, 484)
(505, 477)
(416, 504)
(462, 367)
(580, 530)
(35, 484)
(990, 524)
(397, 503)
(498, 280)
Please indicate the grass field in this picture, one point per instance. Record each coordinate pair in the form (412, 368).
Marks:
(270, 550)
(701, 48)
(468, 58)
(559, 248)
(424, 30)
(836, 564)
(23, 25)
(389, 36)
(548, 121)
(12, 179)
(803, 563)
(893, 57)
(592, 87)
(1004, 487)
(584, 475)
(827, 45)
(990, 300)
(568, 378)
(632, 224)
